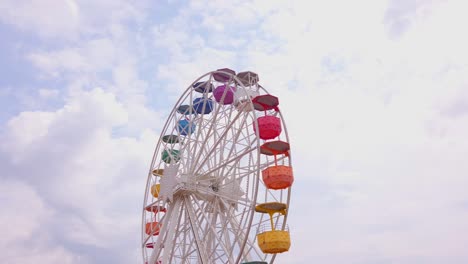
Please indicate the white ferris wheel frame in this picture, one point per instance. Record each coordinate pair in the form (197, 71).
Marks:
(187, 209)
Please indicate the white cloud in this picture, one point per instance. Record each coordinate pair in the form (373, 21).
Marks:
(24, 223)
(48, 93)
(180, 74)
(68, 20)
(91, 57)
(49, 18)
(106, 62)
(401, 14)
(242, 14)
(84, 174)
(54, 63)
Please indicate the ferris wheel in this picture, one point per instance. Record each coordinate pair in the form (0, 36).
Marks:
(219, 184)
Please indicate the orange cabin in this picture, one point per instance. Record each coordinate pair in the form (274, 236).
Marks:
(278, 177)
(152, 228)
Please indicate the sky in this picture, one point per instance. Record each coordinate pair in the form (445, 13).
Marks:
(374, 94)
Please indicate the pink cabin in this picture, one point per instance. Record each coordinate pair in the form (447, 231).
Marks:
(269, 125)
(224, 94)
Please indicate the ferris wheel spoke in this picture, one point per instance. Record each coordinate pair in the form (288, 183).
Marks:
(230, 234)
(173, 243)
(236, 142)
(229, 129)
(219, 166)
(238, 201)
(226, 180)
(233, 148)
(237, 229)
(214, 243)
(194, 229)
(212, 122)
(178, 230)
(239, 154)
(166, 231)
(207, 135)
(251, 250)
(214, 146)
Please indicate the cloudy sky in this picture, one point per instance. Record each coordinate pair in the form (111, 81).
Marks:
(374, 93)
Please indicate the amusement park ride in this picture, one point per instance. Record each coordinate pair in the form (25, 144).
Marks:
(219, 185)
